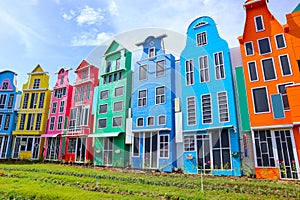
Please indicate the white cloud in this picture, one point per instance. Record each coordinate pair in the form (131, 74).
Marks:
(89, 16)
(113, 9)
(92, 38)
(69, 16)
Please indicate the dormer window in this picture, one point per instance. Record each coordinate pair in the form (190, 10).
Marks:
(259, 23)
(151, 52)
(36, 83)
(108, 67)
(5, 85)
(83, 74)
(201, 39)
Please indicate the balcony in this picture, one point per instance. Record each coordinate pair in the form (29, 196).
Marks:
(82, 81)
(76, 131)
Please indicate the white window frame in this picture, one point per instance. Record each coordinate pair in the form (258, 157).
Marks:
(262, 67)
(99, 123)
(103, 92)
(38, 121)
(253, 103)
(153, 120)
(275, 37)
(161, 96)
(202, 108)
(36, 83)
(114, 108)
(203, 39)
(62, 106)
(52, 123)
(25, 101)
(218, 66)
(121, 87)
(54, 107)
(139, 72)
(120, 125)
(158, 121)
(118, 63)
(151, 52)
(22, 122)
(269, 45)
(164, 150)
(137, 122)
(3, 100)
(281, 69)
(245, 45)
(10, 102)
(227, 107)
(6, 85)
(164, 68)
(31, 122)
(105, 104)
(280, 84)
(189, 143)
(262, 21)
(1, 119)
(189, 73)
(195, 111)
(133, 143)
(6, 122)
(249, 72)
(142, 98)
(204, 69)
(42, 100)
(60, 122)
(84, 110)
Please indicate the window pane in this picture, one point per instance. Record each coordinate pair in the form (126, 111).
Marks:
(259, 23)
(264, 46)
(268, 69)
(285, 65)
(280, 41)
(117, 121)
(252, 71)
(104, 94)
(160, 68)
(249, 48)
(260, 99)
(143, 72)
(119, 91)
(103, 108)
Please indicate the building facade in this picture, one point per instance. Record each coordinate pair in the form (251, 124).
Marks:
(9, 104)
(58, 117)
(32, 117)
(78, 145)
(112, 104)
(153, 134)
(270, 69)
(210, 133)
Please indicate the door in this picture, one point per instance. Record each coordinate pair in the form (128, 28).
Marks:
(36, 148)
(108, 151)
(286, 155)
(52, 149)
(80, 150)
(150, 150)
(203, 151)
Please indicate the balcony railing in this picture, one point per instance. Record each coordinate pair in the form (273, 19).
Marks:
(81, 81)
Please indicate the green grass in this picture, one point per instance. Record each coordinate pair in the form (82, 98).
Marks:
(53, 181)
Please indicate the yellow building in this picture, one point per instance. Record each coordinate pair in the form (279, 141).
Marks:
(32, 118)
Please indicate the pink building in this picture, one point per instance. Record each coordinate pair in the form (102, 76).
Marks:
(78, 145)
(58, 117)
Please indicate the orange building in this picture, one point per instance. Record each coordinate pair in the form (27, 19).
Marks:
(270, 67)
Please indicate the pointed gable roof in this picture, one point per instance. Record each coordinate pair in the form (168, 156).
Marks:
(37, 70)
(113, 47)
(83, 64)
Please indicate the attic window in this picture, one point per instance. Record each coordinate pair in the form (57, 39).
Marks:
(5, 85)
(200, 24)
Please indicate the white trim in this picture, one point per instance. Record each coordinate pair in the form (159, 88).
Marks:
(283, 41)
(168, 142)
(195, 103)
(62, 117)
(283, 126)
(206, 40)
(50, 122)
(98, 123)
(60, 106)
(165, 96)
(153, 121)
(108, 150)
(146, 97)
(100, 108)
(249, 73)
(253, 103)
(289, 62)
(277, 86)
(245, 47)
(113, 121)
(262, 21)
(151, 130)
(137, 124)
(150, 49)
(164, 68)
(162, 115)
(145, 65)
(118, 88)
(101, 94)
(274, 67)
(211, 110)
(215, 65)
(193, 70)
(151, 151)
(269, 46)
(219, 106)
(205, 68)
(139, 144)
(116, 103)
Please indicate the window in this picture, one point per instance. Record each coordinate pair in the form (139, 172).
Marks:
(60, 121)
(201, 39)
(118, 63)
(72, 145)
(1, 117)
(160, 95)
(282, 91)
(260, 100)
(85, 116)
(10, 101)
(163, 146)
(142, 98)
(102, 123)
(103, 109)
(206, 109)
(264, 46)
(280, 42)
(76, 95)
(38, 121)
(268, 69)
(285, 65)
(33, 100)
(189, 143)
(204, 69)
(136, 144)
(221, 149)
(162, 120)
(2, 100)
(118, 106)
(223, 107)
(259, 24)
(25, 102)
(42, 98)
(150, 121)
(264, 148)
(189, 72)
(219, 65)
(62, 79)
(140, 121)
(104, 80)
(252, 71)
(108, 151)
(110, 78)
(30, 121)
(119, 91)
(160, 68)
(191, 111)
(72, 119)
(104, 94)
(143, 72)
(120, 75)
(88, 92)
(36, 83)
(22, 122)
(117, 121)
(54, 105)
(5, 85)
(52, 120)
(151, 52)
(58, 93)
(108, 67)
(83, 74)
(7, 122)
(81, 93)
(249, 48)
(62, 106)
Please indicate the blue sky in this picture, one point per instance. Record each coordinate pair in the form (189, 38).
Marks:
(60, 33)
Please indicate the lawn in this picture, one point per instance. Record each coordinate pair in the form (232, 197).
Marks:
(56, 181)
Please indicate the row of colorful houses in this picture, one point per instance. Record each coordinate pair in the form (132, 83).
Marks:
(214, 110)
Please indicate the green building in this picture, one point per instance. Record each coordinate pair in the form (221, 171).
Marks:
(112, 103)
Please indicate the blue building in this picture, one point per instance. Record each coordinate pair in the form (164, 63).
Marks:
(153, 142)
(209, 129)
(8, 111)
